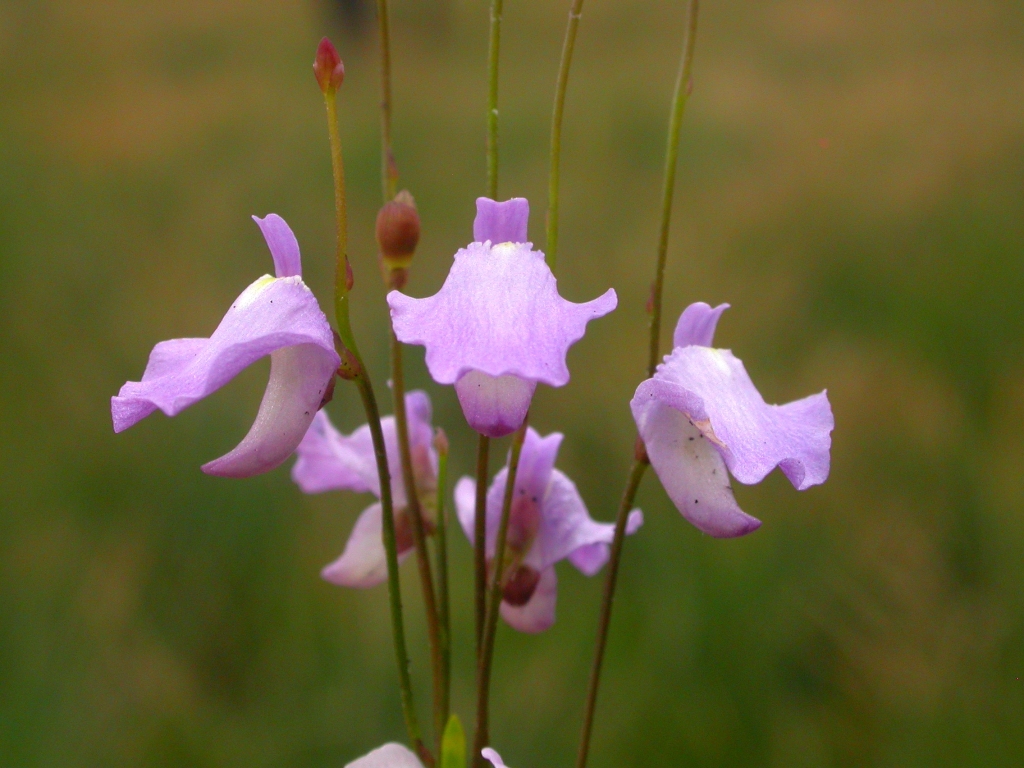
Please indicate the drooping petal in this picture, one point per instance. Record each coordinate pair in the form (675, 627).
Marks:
(363, 564)
(712, 387)
(499, 313)
(391, 755)
(689, 466)
(494, 405)
(697, 325)
(494, 757)
(501, 222)
(272, 314)
(590, 558)
(328, 461)
(465, 505)
(566, 526)
(282, 243)
(538, 614)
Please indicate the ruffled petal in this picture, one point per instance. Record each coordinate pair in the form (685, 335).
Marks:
(566, 526)
(494, 405)
(697, 325)
(499, 313)
(391, 755)
(712, 387)
(329, 461)
(501, 222)
(282, 243)
(272, 314)
(590, 559)
(363, 563)
(690, 468)
(538, 614)
(494, 757)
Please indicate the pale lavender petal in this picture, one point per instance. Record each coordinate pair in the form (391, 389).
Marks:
(363, 563)
(499, 313)
(328, 461)
(538, 614)
(697, 325)
(536, 461)
(271, 316)
(465, 505)
(689, 466)
(282, 243)
(389, 756)
(566, 526)
(712, 387)
(491, 755)
(501, 222)
(298, 378)
(494, 406)
(590, 559)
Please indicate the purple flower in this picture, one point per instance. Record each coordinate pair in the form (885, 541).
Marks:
(548, 522)
(493, 757)
(497, 327)
(276, 316)
(701, 413)
(331, 461)
(391, 755)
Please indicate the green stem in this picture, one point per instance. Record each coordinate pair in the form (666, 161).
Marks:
(483, 680)
(556, 129)
(388, 168)
(492, 99)
(443, 614)
(479, 534)
(682, 92)
(415, 514)
(684, 85)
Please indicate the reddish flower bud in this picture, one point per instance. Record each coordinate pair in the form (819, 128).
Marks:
(398, 231)
(441, 442)
(520, 586)
(328, 67)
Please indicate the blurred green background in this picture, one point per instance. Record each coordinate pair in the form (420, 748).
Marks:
(852, 181)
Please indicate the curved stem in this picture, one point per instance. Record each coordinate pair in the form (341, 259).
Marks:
(388, 168)
(682, 92)
(556, 129)
(492, 99)
(684, 86)
(483, 680)
(635, 476)
(479, 535)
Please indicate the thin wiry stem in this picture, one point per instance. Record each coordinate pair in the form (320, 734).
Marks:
(682, 92)
(483, 680)
(492, 99)
(479, 546)
(443, 613)
(556, 130)
(388, 168)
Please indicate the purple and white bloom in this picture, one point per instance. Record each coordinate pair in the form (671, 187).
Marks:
(701, 413)
(548, 522)
(331, 461)
(394, 755)
(277, 316)
(497, 327)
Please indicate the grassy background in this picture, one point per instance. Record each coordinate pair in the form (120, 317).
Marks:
(852, 181)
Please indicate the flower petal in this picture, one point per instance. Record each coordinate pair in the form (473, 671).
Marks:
(494, 757)
(590, 558)
(391, 755)
(271, 316)
(465, 505)
(494, 405)
(328, 461)
(499, 313)
(566, 526)
(712, 387)
(501, 222)
(690, 468)
(539, 612)
(697, 325)
(282, 243)
(363, 563)
(536, 462)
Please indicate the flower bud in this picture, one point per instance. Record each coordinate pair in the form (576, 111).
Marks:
(441, 442)
(398, 231)
(328, 67)
(520, 586)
